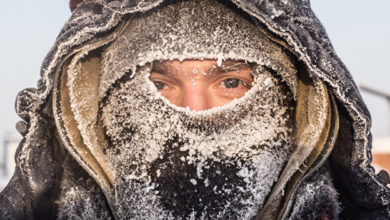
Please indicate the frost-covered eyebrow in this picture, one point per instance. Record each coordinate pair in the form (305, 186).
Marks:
(228, 66)
(159, 67)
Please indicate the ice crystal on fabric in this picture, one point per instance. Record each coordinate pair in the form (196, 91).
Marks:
(186, 30)
(171, 162)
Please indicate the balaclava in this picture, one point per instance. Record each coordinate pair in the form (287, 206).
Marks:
(173, 163)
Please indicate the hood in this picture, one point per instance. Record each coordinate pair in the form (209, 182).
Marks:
(290, 23)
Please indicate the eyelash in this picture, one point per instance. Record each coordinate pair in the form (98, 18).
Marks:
(158, 82)
(240, 82)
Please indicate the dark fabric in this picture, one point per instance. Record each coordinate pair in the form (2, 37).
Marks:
(316, 198)
(42, 177)
(14, 200)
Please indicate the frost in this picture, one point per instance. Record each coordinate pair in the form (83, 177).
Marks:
(206, 182)
(174, 163)
(267, 82)
(193, 36)
(219, 60)
(277, 13)
(224, 153)
(193, 181)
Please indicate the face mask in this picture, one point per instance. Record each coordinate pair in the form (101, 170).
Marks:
(173, 163)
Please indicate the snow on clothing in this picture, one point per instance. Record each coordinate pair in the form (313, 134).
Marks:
(74, 161)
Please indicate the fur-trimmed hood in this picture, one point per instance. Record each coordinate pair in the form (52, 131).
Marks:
(291, 23)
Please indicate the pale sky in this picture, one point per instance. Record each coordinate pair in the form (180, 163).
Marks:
(359, 30)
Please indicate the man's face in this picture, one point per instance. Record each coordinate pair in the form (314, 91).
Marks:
(201, 84)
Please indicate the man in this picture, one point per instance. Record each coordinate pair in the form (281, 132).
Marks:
(197, 109)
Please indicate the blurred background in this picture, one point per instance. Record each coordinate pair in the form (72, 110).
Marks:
(358, 29)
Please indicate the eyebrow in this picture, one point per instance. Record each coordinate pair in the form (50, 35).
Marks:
(228, 66)
(159, 68)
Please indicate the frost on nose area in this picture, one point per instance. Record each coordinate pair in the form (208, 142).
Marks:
(201, 84)
(171, 163)
(195, 121)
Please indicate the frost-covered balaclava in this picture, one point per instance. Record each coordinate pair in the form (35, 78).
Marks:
(173, 163)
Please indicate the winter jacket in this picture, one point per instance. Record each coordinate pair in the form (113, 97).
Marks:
(60, 172)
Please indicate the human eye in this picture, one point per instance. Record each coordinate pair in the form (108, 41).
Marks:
(160, 85)
(161, 82)
(232, 83)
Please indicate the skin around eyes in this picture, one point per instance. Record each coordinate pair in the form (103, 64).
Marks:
(231, 85)
(201, 84)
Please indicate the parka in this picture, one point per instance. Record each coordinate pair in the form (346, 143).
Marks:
(58, 174)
